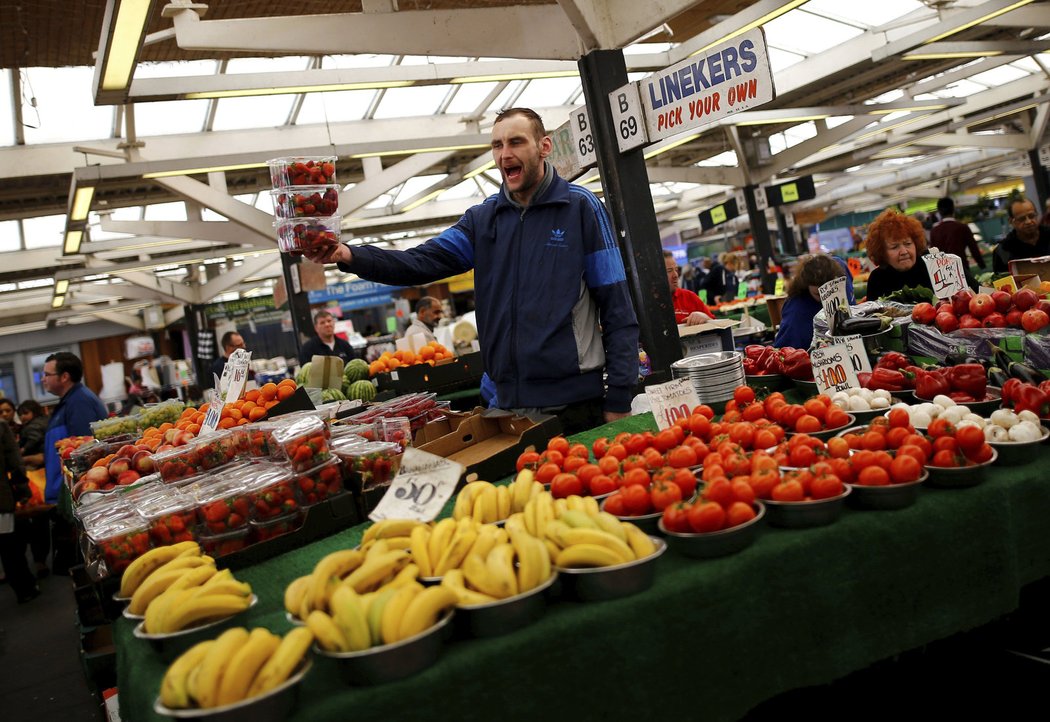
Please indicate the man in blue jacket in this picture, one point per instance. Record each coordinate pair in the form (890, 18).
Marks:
(553, 309)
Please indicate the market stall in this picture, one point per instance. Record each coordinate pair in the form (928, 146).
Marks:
(797, 608)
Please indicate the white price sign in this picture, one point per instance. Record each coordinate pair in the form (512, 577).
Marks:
(580, 125)
(946, 273)
(857, 353)
(833, 369)
(833, 296)
(672, 401)
(627, 117)
(231, 386)
(423, 485)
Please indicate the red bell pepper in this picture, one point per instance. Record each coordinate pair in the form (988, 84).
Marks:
(1010, 392)
(886, 378)
(911, 374)
(932, 383)
(751, 368)
(797, 364)
(893, 360)
(970, 379)
(1045, 387)
(1031, 398)
(754, 351)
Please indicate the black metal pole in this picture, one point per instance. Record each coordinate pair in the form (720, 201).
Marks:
(630, 204)
(760, 232)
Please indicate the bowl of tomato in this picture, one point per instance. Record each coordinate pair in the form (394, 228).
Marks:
(971, 473)
(803, 499)
(718, 543)
(887, 496)
(825, 434)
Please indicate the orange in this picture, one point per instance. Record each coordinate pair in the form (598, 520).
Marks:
(284, 391)
(242, 422)
(227, 423)
(236, 414)
(194, 429)
(271, 403)
(408, 358)
(268, 391)
(393, 363)
(427, 352)
(256, 413)
(252, 395)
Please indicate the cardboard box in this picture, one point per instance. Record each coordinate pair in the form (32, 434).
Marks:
(711, 337)
(442, 427)
(461, 372)
(488, 444)
(326, 372)
(1023, 267)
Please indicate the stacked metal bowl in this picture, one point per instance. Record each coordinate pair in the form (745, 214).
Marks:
(713, 375)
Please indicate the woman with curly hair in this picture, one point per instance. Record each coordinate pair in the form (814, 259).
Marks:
(895, 244)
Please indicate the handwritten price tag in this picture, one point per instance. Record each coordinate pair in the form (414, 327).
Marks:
(423, 485)
(857, 353)
(672, 401)
(833, 369)
(833, 296)
(231, 386)
(947, 273)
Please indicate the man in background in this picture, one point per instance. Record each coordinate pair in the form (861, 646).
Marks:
(77, 408)
(688, 308)
(326, 343)
(951, 236)
(1027, 239)
(231, 341)
(428, 314)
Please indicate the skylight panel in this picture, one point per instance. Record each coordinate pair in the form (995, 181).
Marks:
(176, 69)
(469, 97)
(411, 102)
(871, 14)
(10, 240)
(335, 107)
(62, 95)
(44, 232)
(237, 66)
(958, 89)
(417, 185)
(170, 117)
(837, 120)
(174, 211)
(726, 158)
(7, 115)
(998, 76)
(782, 59)
(807, 33)
(546, 92)
(265, 111)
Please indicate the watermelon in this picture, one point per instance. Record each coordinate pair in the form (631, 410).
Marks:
(356, 370)
(363, 390)
(304, 374)
(328, 395)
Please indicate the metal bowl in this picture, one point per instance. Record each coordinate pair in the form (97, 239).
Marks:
(891, 496)
(293, 620)
(716, 543)
(828, 433)
(645, 522)
(804, 514)
(505, 615)
(1013, 453)
(808, 388)
(133, 617)
(389, 662)
(769, 382)
(905, 395)
(272, 706)
(866, 417)
(120, 599)
(981, 408)
(172, 644)
(599, 584)
(961, 476)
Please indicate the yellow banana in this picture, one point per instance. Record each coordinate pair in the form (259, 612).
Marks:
(398, 542)
(609, 523)
(555, 531)
(375, 614)
(283, 661)
(587, 555)
(408, 575)
(226, 586)
(394, 528)
(590, 506)
(418, 547)
(601, 538)
(440, 537)
(374, 546)
(375, 569)
(578, 519)
(146, 564)
(395, 610)
(155, 621)
(464, 538)
(294, 594)
(213, 666)
(521, 490)
(544, 512)
(574, 502)
(464, 505)
(487, 538)
(641, 544)
(173, 692)
(349, 615)
(529, 518)
(193, 609)
(245, 664)
(516, 522)
(552, 549)
(328, 571)
(424, 609)
(486, 505)
(502, 502)
(153, 587)
(454, 580)
(327, 633)
(194, 578)
(500, 563)
(560, 507)
(220, 576)
(529, 551)
(537, 489)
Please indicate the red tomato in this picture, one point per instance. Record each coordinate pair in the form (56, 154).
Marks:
(944, 458)
(686, 481)
(600, 447)
(700, 425)
(788, 490)
(939, 428)
(739, 513)
(663, 494)
(743, 433)
(836, 417)
(802, 456)
(618, 450)
(980, 455)
(637, 477)
(762, 482)
(899, 418)
(665, 440)
(970, 438)
(527, 459)
(565, 485)
(743, 395)
(547, 472)
(945, 443)
(579, 450)
(601, 484)
(742, 491)
(634, 461)
(914, 451)
(615, 504)
(676, 518)
(707, 516)
(553, 456)
(705, 410)
(637, 443)
(826, 486)
(559, 444)
(636, 499)
(905, 468)
(873, 441)
(609, 465)
(572, 463)
(681, 457)
(718, 490)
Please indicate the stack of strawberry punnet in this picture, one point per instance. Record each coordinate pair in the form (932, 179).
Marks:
(305, 202)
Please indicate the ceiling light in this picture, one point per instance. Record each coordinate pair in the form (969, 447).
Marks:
(413, 151)
(1003, 114)
(478, 171)
(292, 89)
(82, 203)
(950, 56)
(669, 146)
(506, 77)
(978, 21)
(891, 126)
(909, 109)
(123, 31)
(195, 171)
(57, 301)
(61, 287)
(775, 121)
(71, 245)
(771, 15)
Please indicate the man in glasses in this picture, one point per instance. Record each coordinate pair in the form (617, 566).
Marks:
(1026, 239)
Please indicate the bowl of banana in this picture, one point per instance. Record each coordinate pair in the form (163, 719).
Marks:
(183, 620)
(240, 676)
(594, 568)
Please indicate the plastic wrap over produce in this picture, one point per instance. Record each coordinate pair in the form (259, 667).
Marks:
(900, 313)
(976, 342)
(1037, 350)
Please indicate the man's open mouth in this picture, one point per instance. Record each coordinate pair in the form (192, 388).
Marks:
(513, 172)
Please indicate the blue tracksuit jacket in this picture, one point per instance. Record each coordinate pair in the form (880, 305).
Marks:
(544, 279)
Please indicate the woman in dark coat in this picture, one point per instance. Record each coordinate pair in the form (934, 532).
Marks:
(31, 443)
(14, 488)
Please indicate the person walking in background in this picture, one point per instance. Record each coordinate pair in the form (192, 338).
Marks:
(14, 489)
(553, 308)
(7, 415)
(36, 527)
(77, 408)
(326, 343)
(722, 281)
(1046, 215)
(951, 236)
(428, 314)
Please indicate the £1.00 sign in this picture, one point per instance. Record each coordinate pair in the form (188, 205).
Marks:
(672, 401)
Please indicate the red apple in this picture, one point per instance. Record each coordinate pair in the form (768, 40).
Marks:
(118, 466)
(1043, 305)
(142, 462)
(923, 313)
(1025, 299)
(961, 301)
(82, 486)
(946, 322)
(1003, 301)
(994, 320)
(981, 305)
(1033, 319)
(969, 321)
(97, 474)
(128, 477)
(1013, 318)
(127, 451)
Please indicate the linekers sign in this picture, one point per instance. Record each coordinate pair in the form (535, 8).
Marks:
(726, 79)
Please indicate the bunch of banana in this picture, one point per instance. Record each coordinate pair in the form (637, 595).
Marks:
(487, 503)
(437, 551)
(494, 576)
(362, 571)
(236, 665)
(356, 622)
(151, 561)
(579, 538)
(184, 598)
(394, 531)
